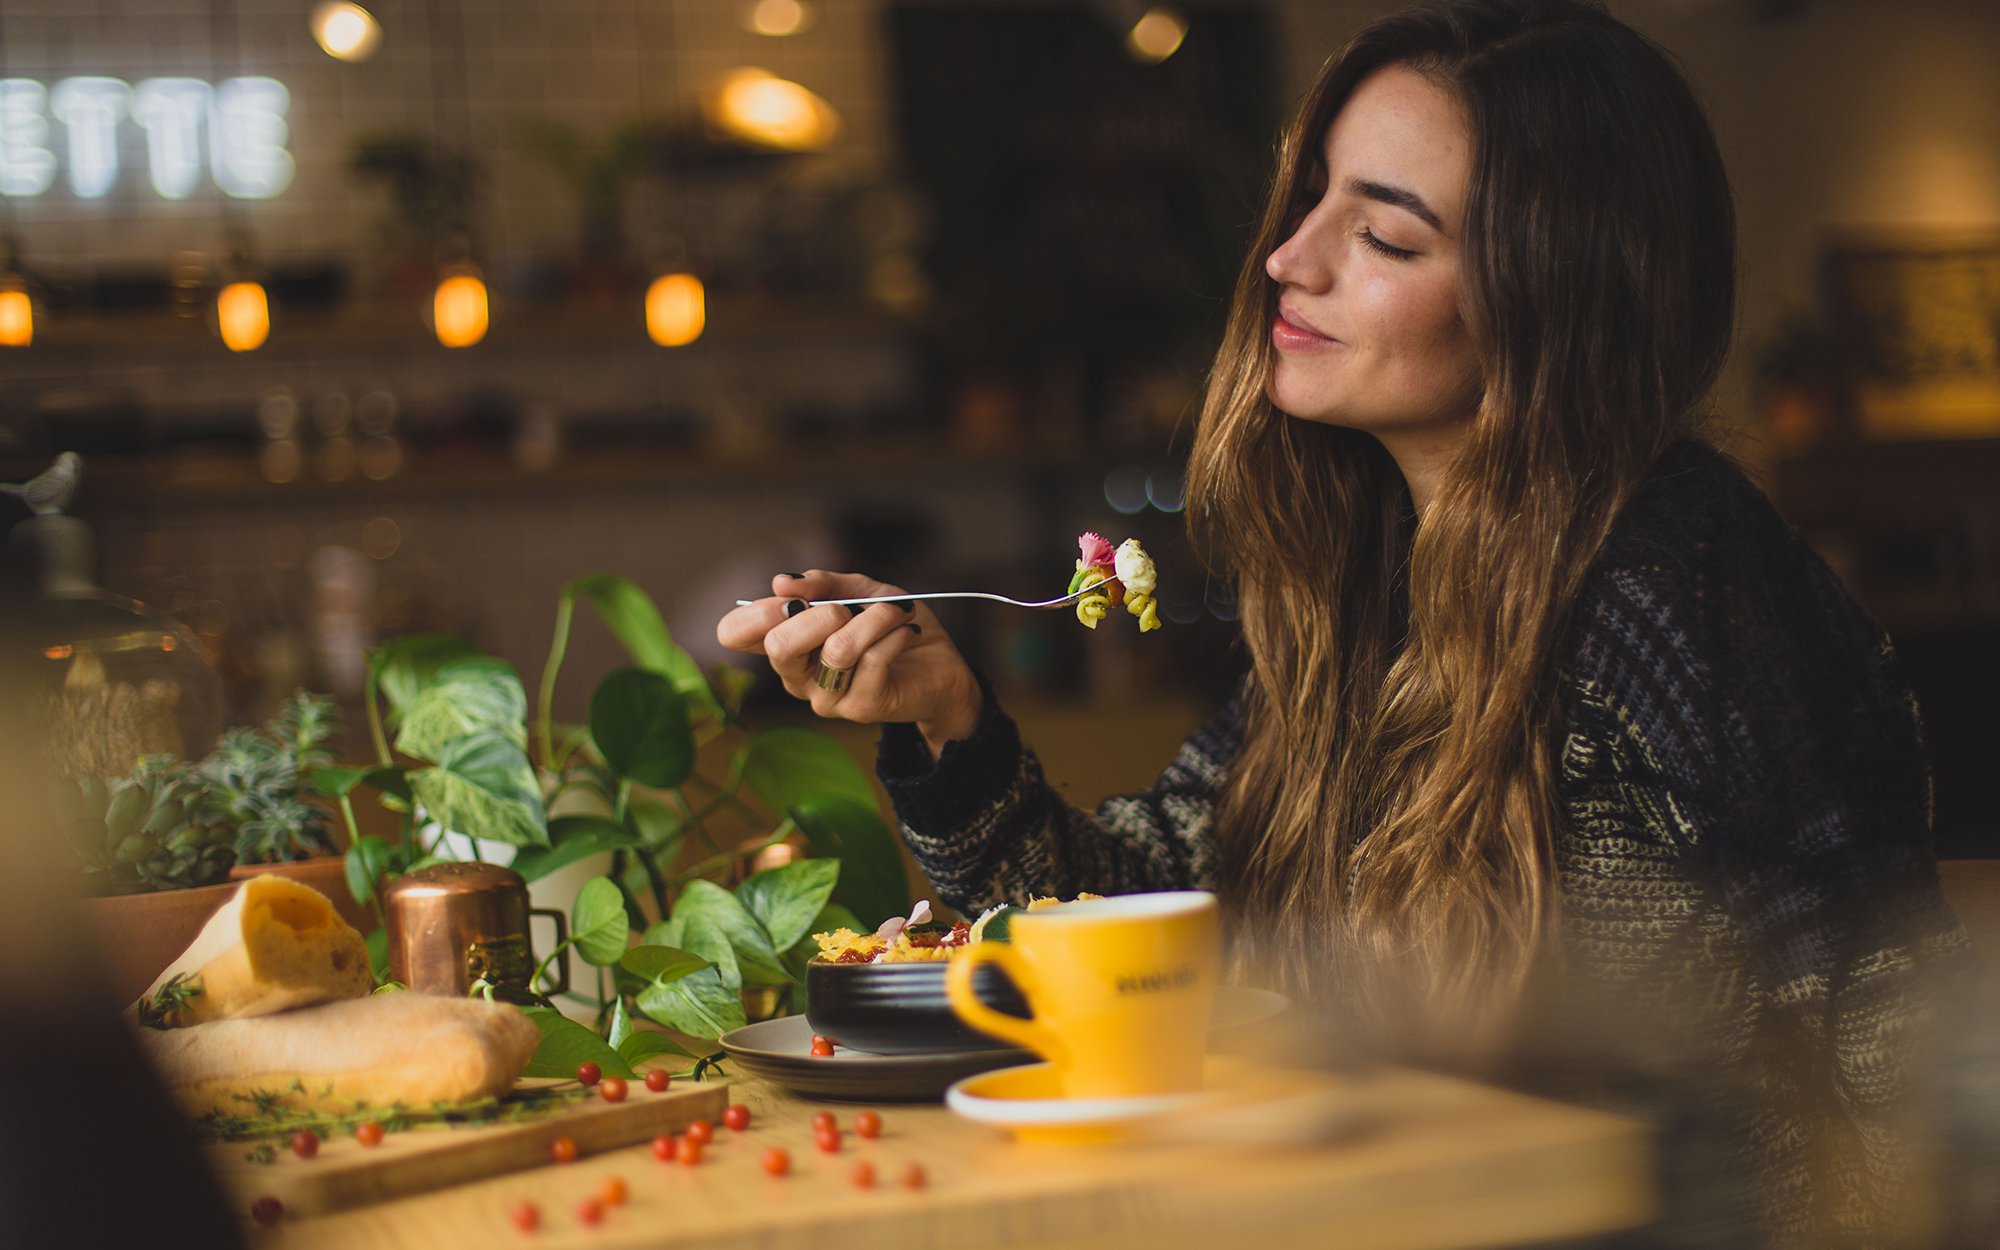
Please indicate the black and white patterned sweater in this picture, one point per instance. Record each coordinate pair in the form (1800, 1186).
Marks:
(1750, 901)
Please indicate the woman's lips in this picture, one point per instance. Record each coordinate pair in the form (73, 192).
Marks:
(1291, 335)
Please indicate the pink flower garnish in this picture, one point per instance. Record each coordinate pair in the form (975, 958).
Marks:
(1096, 550)
(894, 925)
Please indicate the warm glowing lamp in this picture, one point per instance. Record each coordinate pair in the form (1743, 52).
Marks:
(17, 315)
(1156, 35)
(459, 310)
(243, 315)
(777, 18)
(346, 32)
(676, 309)
(757, 105)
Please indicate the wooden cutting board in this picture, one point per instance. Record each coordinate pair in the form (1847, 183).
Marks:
(346, 1174)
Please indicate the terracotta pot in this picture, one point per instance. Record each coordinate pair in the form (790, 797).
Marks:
(325, 873)
(140, 934)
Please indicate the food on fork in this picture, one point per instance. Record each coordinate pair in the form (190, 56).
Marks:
(1110, 577)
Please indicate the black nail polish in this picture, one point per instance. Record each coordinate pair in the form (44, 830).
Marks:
(797, 577)
(905, 604)
(914, 628)
(795, 606)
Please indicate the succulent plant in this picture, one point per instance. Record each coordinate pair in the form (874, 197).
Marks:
(158, 829)
(257, 776)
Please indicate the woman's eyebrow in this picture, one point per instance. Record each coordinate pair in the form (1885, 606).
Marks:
(1396, 196)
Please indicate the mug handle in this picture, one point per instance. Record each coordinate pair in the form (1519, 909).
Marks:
(561, 964)
(966, 1002)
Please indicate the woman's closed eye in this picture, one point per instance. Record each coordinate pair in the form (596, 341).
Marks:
(1390, 250)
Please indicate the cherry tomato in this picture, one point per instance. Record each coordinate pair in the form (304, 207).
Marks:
(613, 1192)
(590, 1211)
(777, 1161)
(588, 1073)
(818, 1038)
(913, 1176)
(613, 1089)
(823, 1120)
(267, 1211)
(689, 1151)
(525, 1216)
(563, 1150)
(701, 1131)
(822, 1048)
(368, 1133)
(305, 1143)
(663, 1147)
(828, 1140)
(657, 1080)
(868, 1124)
(736, 1118)
(864, 1175)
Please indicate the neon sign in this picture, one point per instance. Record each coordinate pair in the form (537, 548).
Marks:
(244, 119)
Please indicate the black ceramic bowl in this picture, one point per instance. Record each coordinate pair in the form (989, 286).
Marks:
(901, 1009)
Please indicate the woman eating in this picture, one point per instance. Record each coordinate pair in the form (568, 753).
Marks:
(1561, 756)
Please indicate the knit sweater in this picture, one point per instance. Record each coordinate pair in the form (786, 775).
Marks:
(1749, 899)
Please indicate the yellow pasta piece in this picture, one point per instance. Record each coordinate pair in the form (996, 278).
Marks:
(1091, 609)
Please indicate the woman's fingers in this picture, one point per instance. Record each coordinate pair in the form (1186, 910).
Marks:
(746, 628)
(865, 695)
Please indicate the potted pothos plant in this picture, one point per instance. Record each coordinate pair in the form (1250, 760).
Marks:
(677, 931)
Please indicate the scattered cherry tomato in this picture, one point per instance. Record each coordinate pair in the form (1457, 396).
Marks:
(913, 1176)
(613, 1192)
(868, 1124)
(525, 1216)
(613, 1089)
(590, 1211)
(689, 1151)
(823, 1120)
(736, 1118)
(267, 1211)
(368, 1133)
(701, 1131)
(777, 1161)
(818, 1038)
(663, 1147)
(305, 1143)
(864, 1175)
(828, 1140)
(588, 1073)
(822, 1048)
(563, 1150)
(657, 1080)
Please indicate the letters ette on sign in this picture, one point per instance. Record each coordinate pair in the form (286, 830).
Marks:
(244, 119)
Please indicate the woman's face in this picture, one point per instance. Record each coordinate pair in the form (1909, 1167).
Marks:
(1368, 332)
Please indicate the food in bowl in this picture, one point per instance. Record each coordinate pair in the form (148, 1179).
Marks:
(883, 992)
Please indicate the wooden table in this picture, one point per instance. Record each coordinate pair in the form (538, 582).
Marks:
(1432, 1163)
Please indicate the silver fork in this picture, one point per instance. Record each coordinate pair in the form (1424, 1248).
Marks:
(1065, 601)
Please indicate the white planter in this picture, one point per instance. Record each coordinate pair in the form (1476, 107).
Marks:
(555, 892)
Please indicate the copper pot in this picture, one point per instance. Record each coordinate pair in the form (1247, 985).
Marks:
(449, 925)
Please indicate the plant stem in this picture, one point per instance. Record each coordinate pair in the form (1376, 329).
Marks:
(542, 968)
(545, 699)
(368, 694)
(784, 830)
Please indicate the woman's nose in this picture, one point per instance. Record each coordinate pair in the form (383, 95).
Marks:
(1301, 260)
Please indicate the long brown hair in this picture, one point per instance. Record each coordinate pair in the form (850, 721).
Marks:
(1391, 817)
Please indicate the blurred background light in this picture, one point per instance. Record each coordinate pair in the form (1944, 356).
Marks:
(1157, 35)
(460, 310)
(346, 32)
(676, 309)
(17, 315)
(1166, 488)
(1125, 489)
(756, 105)
(777, 18)
(243, 316)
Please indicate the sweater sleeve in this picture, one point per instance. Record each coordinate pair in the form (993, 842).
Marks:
(986, 828)
(1767, 736)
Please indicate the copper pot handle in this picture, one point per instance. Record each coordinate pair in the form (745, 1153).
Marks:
(562, 935)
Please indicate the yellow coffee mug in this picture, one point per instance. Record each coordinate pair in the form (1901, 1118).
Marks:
(1121, 989)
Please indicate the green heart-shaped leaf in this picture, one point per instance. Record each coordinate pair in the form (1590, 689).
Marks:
(635, 620)
(598, 925)
(465, 696)
(640, 724)
(786, 900)
(871, 865)
(699, 1005)
(704, 903)
(483, 786)
(661, 963)
(405, 667)
(573, 838)
(566, 1045)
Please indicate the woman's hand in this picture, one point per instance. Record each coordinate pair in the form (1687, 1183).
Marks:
(904, 668)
